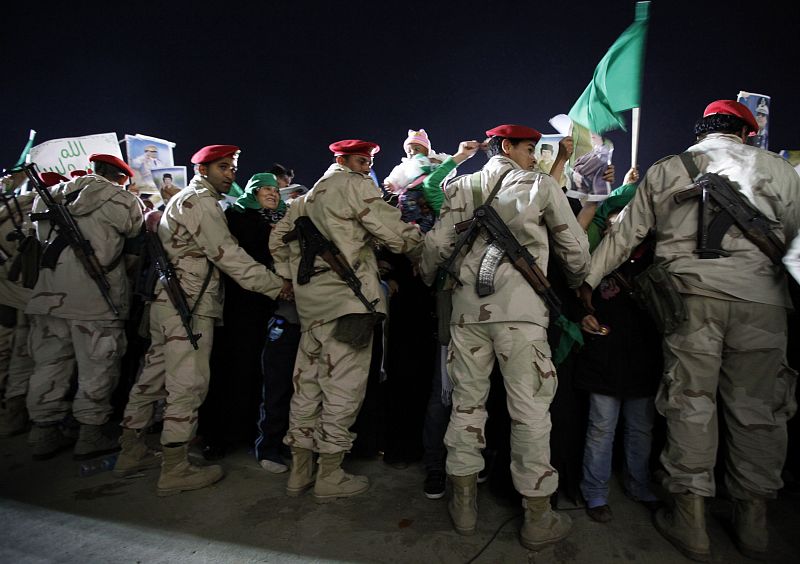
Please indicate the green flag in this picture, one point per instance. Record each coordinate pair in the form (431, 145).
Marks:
(24, 155)
(617, 82)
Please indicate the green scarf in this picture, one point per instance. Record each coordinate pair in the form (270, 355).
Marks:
(248, 198)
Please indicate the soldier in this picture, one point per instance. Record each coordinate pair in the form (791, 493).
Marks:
(733, 338)
(71, 323)
(195, 236)
(509, 324)
(18, 272)
(330, 374)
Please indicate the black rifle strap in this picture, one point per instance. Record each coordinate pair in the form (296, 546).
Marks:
(496, 188)
(688, 163)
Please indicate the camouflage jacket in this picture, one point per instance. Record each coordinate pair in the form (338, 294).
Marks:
(348, 209)
(14, 294)
(195, 235)
(768, 181)
(536, 211)
(107, 215)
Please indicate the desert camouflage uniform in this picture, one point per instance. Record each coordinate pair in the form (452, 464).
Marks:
(330, 377)
(734, 340)
(71, 323)
(16, 364)
(509, 324)
(195, 235)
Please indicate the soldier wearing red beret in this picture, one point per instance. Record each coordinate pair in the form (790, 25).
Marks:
(337, 328)
(505, 320)
(196, 239)
(731, 345)
(70, 322)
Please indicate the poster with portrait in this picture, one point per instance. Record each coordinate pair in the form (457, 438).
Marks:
(145, 154)
(546, 151)
(169, 177)
(759, 105)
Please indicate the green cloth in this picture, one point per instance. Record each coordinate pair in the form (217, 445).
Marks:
(570, 336)
(432, 185)
(616, 200)
(247, 199)
(617, 82)
(25, 151)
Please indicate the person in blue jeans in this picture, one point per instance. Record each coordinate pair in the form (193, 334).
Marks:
(620, 366)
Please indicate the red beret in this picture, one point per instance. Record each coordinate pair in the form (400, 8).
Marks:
(114, 161)
(77, 173)
(514, 132)
(354, 147)
(51, 178)
(211, 153)
(732, 108)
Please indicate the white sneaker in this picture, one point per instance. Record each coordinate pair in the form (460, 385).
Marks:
(274, 467)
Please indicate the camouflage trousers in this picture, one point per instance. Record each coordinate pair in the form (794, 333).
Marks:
(172, 370)
(16, 364)
(330, 380)
(57, 346)
(736, 349)
(530, 379)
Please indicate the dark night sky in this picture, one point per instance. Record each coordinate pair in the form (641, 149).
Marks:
(284, 79)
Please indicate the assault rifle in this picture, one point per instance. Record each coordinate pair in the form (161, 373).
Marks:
(67, 233)
(169, 280)
(313, 244)
(501, 238)
(720, 207)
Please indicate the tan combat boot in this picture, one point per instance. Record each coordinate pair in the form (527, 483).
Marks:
(302, 477)
(94, 441)
(333, 482)
(13, 417)
(685, 526)
(542, 525)
(135, 456)
(179, 475)
(463, 506)
(750, 527)
(47, 440)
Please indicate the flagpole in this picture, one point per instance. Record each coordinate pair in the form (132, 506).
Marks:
(635, 137)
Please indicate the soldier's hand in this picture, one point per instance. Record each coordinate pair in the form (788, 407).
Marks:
(608, 175)
(287, 292)
(590, 324)
(585, 296)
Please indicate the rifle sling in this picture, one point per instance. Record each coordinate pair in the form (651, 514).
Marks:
(206, 282)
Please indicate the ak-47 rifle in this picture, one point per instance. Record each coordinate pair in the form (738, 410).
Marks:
(720, 207)
(169, 280)
(313, 244)
(501, 239)
(69, 233)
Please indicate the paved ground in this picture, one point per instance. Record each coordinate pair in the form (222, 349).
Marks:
(50, 514)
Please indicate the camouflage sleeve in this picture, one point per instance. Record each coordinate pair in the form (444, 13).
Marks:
(217, 243)
(438, 244)
(569, 240)
(280, 251)
(383, 221)
(626, 232)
